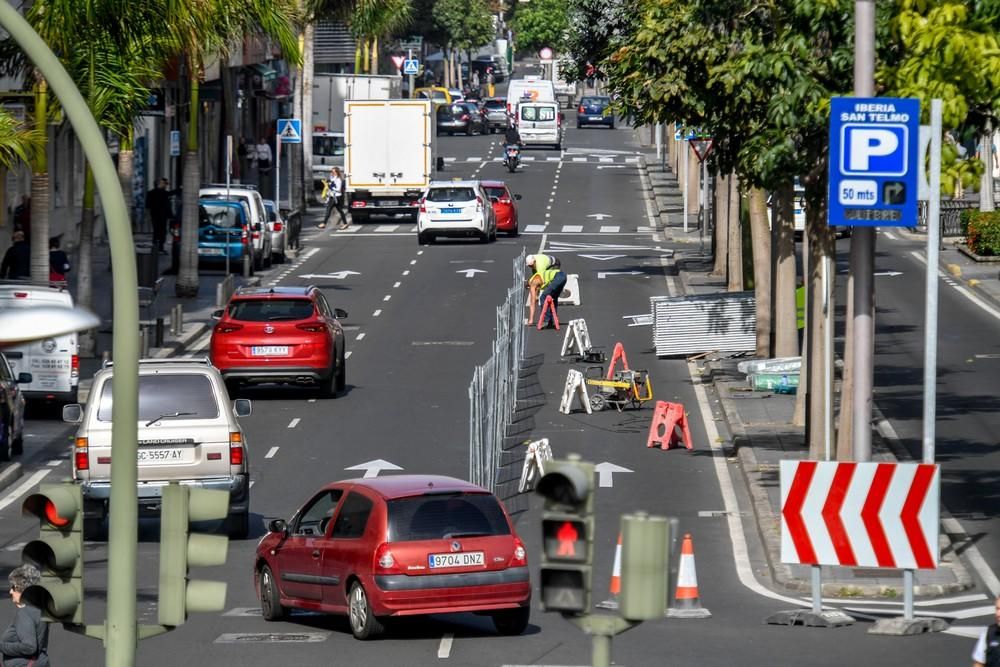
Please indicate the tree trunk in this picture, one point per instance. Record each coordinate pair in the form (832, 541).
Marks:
(986, 184)
(735, 226)
(187, 276)
(85, 262)
(357, 56)
(373, 69)
(306, 99)
(761, 242)
(721, 230)
(820, 286)
(40, 191)
(126, 174)
(786, 330)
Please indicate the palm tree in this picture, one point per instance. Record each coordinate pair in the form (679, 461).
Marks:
(206, 28)
(17, 143)
(373, 19)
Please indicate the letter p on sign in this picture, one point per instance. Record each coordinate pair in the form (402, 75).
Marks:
(874, 151)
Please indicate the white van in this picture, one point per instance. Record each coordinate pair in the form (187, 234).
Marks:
(54, 363)
(529, 89)
(539, 123)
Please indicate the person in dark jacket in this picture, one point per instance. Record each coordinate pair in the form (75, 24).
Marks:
(17, 259)
(58, 262)
(158, 204)
(25, 642)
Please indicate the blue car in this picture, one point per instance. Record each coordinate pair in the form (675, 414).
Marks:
(592, 112)
(223, 229)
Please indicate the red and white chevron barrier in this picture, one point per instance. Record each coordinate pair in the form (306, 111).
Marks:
(860, 514)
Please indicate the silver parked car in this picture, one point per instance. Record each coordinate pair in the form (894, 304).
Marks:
(279, 231)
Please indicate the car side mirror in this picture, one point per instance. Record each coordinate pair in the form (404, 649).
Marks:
(517, 197)
(277, 526)
(340, 313)
(72, 413)
(217, 314)
(24, 378)
(242, 407)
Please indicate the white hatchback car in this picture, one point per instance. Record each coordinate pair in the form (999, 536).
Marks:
(456, 209)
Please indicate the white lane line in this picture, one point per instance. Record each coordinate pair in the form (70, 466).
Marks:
(347, 355)
(960, 289)
(271, 452)
(406, 273)
(17, 546)
(294, 423)
(534, 228)
(889, 235)
(252, 482)
(387, 297)
(24, 487)
(572, 228)
(552, 159)
(972, 555)
(53, 463)
(482, 164)
(377, 313)
(310, 253)
(396, 284)
(472, 159)
(311, 400)
(386, 228)
(444, 649)
(610, 229)
(361, 336)
(412, 262)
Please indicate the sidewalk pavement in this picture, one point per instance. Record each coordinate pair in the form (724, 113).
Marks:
(759, 424)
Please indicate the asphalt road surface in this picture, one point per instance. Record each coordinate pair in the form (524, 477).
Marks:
(420, 319)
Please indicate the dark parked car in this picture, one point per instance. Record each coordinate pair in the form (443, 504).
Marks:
(462, 117)
(11, 410)
(592, 112)
(400, 545)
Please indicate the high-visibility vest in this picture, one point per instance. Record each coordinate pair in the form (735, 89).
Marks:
(542, 262)
(547, 275)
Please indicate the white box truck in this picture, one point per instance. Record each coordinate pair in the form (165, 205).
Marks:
(389, 155)
(330, 91)
(565, 91)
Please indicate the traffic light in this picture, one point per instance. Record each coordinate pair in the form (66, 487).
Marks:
(58, 552)
(567, 535)
(180, 548)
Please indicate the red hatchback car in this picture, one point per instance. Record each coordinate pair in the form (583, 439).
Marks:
(401, 545)
(280, 334)
(504, 205)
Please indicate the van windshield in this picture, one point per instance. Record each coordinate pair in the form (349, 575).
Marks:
(188, 395)
(435, 517)
(219, 215)
(533, 113)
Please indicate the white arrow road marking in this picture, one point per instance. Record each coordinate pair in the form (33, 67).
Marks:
(602, 258)
(605, 473)
(339, 275)
(604, 274)
(600, 216)
(469, 273)
(372, 468)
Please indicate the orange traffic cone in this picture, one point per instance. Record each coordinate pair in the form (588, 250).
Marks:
(686, 602)
(616, 579)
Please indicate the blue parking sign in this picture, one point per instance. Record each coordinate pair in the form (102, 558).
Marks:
(873, 161)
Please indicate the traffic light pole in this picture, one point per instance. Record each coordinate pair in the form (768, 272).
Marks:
(602, 628)
(119, 632)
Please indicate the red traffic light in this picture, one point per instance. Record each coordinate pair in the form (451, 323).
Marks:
(567, 535)
(564, 539)
(52, 515)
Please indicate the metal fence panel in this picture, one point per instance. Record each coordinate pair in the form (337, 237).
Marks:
(723, 322)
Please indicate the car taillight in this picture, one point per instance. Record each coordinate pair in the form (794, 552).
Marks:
(479, 203)
(278, 227)
(504, 200)
(227, 327)
(358, 203)
(236, 448)
(423, 205)
(520, 557)
(385, 562)
(20, 295)
(256, 235)
(464, 116)
(581, 109)
(311, 327)
(81, 454)
(74, 366)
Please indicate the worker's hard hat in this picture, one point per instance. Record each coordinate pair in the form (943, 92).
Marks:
(530, 260)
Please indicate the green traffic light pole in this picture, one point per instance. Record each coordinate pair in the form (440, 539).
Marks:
(119, 632)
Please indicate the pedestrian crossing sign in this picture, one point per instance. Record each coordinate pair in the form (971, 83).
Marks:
(411, 66)
(290, 130)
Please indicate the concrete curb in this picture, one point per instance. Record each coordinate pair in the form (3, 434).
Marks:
(9, 475)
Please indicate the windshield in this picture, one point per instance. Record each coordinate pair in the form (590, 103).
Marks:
(219, 215)
(451, 194)
(190, 395)
(436, 517)
(499, 193)
(328, 146)
(270, 310)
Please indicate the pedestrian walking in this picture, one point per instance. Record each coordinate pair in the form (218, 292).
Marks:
(489, 81)
(544, 284)
(158, 205)
(58, 262)
(25, 642)
(242, 159)
(334, 189)
(475, 82)
(263, 153)
(987, 650)
(17, 260)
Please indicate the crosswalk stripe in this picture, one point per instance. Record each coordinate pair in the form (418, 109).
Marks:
(450, 159)
(534, 228)
(350, 230)
(386, 228)
(472, 159)
(553, 159)
(579, 159)
(572, 228)
(529, 158)
(605, 159)
(610, 229)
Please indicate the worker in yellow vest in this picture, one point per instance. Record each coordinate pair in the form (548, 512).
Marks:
(544, 284)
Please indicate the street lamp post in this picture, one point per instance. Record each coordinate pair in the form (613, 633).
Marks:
(119, 631)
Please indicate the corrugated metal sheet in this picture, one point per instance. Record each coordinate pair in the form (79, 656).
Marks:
(724, 322)
(332, 44)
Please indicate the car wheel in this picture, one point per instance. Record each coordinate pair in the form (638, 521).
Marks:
(270, 599)
(329, 385)
(341, 373)
(612, 125)
(578, 126)
(278, 258)
(238, 525)
(8, 443)
(512, 622)
(364, 625)
(484, 237)
(422, 238)
(493, 235)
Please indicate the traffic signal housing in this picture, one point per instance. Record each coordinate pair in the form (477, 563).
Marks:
(645, 566)
(57, 553)
(181, 548)
(567, 535)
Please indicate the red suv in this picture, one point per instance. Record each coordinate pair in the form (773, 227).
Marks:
(402, 545)
(280, 334)
(504, 205)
